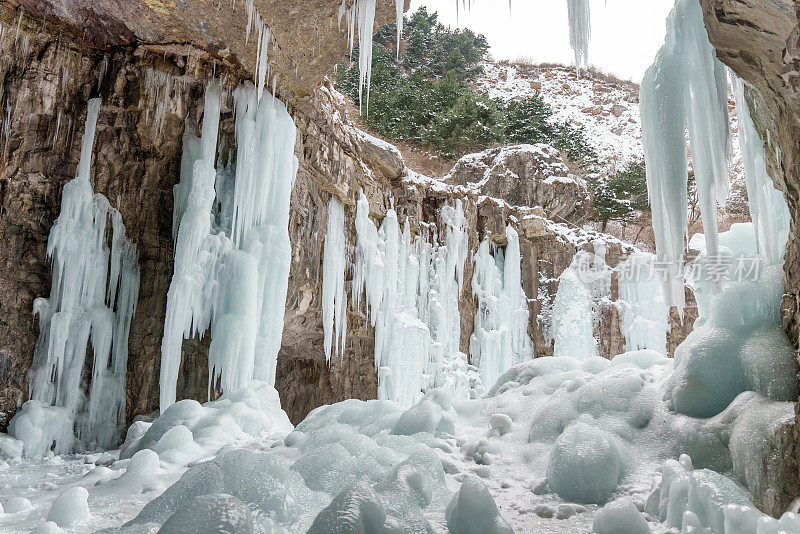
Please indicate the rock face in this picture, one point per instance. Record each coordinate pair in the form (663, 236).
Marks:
(760, 41)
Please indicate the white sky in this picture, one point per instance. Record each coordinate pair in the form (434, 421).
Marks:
(626, 34)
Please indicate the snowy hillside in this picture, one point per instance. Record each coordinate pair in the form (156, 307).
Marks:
(608, 109)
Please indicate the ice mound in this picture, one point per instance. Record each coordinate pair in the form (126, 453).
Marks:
(210, 514)
(70, 507)
(472, 510)
(585, 465)
(188, 430)
(17, 504)
(741, 347)
(357, 508)
(620, 517)
(10, 447)
(42, 428)
(344, 465)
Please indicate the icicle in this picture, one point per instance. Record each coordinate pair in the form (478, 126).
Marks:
(768, 208)
(580, 29)
(334, 298)
(644, 315)
(500, 339)
(361, 20)
(685, 86)
(92, 300)
(399, 8)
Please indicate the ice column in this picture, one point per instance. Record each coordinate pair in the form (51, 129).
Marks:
(92, 301)
(500, 339)
(411, 289)
(580, 29)
(232, 256)
(644, 314)
(334, 298)
(768, 208)
(685, 86)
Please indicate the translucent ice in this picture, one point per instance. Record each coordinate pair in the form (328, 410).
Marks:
(334, 297)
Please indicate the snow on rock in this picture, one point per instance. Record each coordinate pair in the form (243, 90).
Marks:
(620, 517)
(586, 465)
(472, 510)
(70, 507)
(207, 514)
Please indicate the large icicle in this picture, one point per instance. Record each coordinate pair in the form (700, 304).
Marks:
(92, 301)
(334, 298)
(644, 315)
(768, 208)
(412, 289)
(232, 264)
(361, 21)
(580, 30)
(686, 86)
(500, 339)
(399, 8)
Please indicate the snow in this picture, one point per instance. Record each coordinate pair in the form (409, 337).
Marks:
(334, 298)
(500, 339)
(92, 301)
(232, 256)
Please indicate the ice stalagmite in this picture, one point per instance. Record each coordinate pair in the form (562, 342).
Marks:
(92, 301)
(334, 298)
(232, 256)
(500, 339)
(580, 30)
(361, 21)
(685, 87)
(767, 206)
(411, 289)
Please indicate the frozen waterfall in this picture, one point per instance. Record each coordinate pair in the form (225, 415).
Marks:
(92, 300)
(500, 339)
(232, 256)
(411, 289)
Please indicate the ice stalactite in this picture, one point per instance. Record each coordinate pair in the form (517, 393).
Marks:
(334, 297)
(411, 289)
(232, 256)
(361, 21)
(768, 208)
(399, 8)
(500, 339)
(92, 301)
(685, 87)
(580, 30)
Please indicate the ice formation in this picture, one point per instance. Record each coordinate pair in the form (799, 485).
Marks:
(644, 314)
(334, 297)
(768, 209)
(500, 339)
(686, 86)
(580, 30)
(232, 256)
(361, 20)
(411, 290)
(581, 288)
(92, 300)
(399, 6)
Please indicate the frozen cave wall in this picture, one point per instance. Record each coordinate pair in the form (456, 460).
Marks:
(50, 67)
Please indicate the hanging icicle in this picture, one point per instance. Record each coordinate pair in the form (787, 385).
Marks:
(334, 297)
(580, 30)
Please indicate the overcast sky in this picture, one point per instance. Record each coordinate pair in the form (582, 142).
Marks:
(626, 34)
